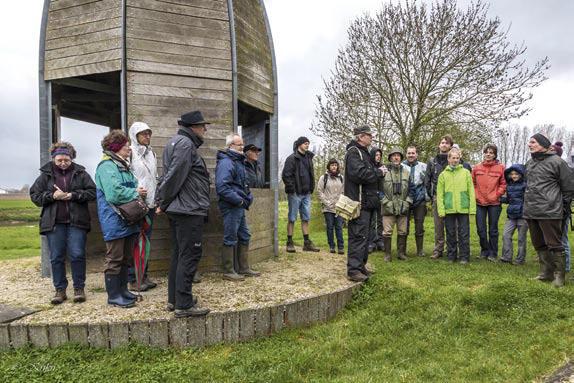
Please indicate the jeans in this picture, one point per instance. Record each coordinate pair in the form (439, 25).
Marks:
(510, 226)
(566, 241)
(66, 239)
(235, 227)
(187, 234)
(457, 236)
(299, 203)
(132, 271)
(357, 248)
(334, 223)
(488, 241)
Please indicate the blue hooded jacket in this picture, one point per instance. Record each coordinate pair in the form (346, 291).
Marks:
(514, 192)
(231, 182)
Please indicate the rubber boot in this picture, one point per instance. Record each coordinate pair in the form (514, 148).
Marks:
(402, 247)
(546, 267)
(113, 289)
(124, 276)
(559, 259)
(420, 250)
(243, 261)
(227, 263)
(387, 241)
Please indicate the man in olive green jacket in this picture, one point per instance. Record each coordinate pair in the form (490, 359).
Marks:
(455, 202)
(396, 204)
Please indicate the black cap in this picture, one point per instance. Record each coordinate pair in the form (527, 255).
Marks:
(192, 118)
(249, 147)
(365, 129)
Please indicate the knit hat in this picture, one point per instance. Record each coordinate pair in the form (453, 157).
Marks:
(542, 140)
(557, 147)
(300, 141)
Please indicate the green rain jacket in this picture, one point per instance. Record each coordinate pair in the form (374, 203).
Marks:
(455, 192)
(396, 203)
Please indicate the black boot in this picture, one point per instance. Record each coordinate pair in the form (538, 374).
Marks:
(402, 247)
(388, 241)
(420, 250)
(227, 264)
(546, 266)
(559, 261)
(113, 288)
(124, 284)
(243, 261)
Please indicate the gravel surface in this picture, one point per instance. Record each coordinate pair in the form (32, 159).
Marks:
(288, 278)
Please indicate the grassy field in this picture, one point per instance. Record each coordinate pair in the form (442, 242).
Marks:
(19, 211)
(414, 321)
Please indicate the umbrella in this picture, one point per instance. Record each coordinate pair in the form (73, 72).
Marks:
(141, 252)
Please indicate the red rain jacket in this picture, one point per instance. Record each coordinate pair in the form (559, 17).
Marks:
(489, 182)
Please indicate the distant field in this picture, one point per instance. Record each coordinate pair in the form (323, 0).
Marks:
(21, 210)
(19, 241)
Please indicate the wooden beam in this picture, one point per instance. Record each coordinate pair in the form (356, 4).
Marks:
(90, 85)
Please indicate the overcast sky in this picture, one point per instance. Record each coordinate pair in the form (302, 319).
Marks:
(307, 35)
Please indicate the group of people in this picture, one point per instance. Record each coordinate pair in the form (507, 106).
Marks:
(127, 173)
(538, 194)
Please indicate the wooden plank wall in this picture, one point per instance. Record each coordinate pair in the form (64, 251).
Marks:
(254, 60)
(83, 37)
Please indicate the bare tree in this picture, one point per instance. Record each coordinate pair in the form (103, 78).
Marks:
(412, 69)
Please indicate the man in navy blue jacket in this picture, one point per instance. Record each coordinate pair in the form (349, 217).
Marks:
(234, 198)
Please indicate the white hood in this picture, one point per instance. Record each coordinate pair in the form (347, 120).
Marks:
(143, 163)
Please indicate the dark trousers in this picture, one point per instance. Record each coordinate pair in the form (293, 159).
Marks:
(67, 240)
(488, 237)
(357, 248)
(334, 224)
(120, 252)
(187, 233)
(546, 234)
(457, 236)
(418, 213)
(132, 271)
(376, 229)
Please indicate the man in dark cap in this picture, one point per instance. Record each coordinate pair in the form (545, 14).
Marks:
(361, 184)
(549, 191)
(184, 196)
(299, 183)
(253, 173)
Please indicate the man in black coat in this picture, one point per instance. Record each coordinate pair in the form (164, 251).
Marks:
(434, 167)
(255, 178)
(184, 196)
(299, 179)
(361, 184)
(547, 198)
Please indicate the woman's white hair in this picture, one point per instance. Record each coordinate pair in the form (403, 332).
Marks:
(229, 139)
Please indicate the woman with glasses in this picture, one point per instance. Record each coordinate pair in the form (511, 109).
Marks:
(63, 191)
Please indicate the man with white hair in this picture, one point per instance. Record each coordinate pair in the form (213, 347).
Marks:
(234, 198)
(143, 165)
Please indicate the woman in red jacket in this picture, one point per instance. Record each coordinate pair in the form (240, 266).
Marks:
(489, 186)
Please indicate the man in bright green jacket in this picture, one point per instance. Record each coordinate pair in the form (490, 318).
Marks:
(455, 202)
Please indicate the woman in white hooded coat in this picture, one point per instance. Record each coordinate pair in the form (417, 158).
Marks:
(143, 164)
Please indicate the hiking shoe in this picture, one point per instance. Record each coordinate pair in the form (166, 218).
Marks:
(492, 259)
(309, 246)
(171, 307)
(341, 251)
(59, 297)
(463, 262)
(197, 277)
(332, 250)
(357, 277)
(518, 263)
(402, 257)
(291, 247)
(436, 256)
(368, 272)
(79, 295)
(193, 311)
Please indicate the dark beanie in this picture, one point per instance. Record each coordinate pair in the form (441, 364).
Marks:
(300, 141)
(542, 140)
(557, 147)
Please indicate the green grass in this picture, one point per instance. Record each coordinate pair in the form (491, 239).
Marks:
(18, 210)
(19, 241)
(414, 321)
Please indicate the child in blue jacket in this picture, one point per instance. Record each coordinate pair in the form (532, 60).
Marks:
(515, 186)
